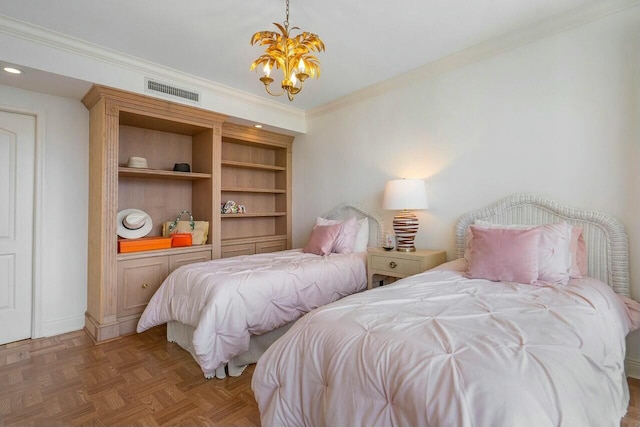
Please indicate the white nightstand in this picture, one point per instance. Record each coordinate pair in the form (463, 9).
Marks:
(401, 264)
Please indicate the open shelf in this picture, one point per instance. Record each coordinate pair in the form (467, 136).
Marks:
(253, 215)
(163, 174)
(253, 190)
(254, 239)
(256, 173)
(247, 165)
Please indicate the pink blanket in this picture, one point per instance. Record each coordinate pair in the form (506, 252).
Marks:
(227, 300)
(438, 349)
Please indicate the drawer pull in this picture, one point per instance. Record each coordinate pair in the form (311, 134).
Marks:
(145, 286)
(393, 264)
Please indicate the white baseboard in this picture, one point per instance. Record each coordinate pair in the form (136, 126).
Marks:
(632, 367)
(67, 324)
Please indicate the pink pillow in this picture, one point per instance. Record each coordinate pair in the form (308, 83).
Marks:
(554, 256)
(578, 248)
(502, 254)
(346, 240)
(321, 239)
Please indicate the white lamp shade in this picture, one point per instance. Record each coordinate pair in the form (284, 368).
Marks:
(407, 194)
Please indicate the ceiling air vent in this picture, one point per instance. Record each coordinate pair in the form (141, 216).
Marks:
(169, 91)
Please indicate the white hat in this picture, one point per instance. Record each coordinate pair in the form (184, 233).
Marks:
(134, 223)
(137, 162)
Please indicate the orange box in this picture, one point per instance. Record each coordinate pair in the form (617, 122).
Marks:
(181, 239)
(143, 244)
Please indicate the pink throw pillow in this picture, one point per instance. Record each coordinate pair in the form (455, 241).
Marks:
(322, 239)
(501, 254)
(346, 240)
(554, 256)
(578, 248)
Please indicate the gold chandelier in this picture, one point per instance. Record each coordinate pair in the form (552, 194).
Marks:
(289, 53)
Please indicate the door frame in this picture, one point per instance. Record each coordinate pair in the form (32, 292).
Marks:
(38, 180)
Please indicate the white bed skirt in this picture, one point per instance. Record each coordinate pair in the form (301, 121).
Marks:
(182, 335)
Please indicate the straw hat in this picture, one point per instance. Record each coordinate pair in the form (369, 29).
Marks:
(134, 223)
(137, 162)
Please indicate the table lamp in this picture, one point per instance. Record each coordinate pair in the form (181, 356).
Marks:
(405, 194)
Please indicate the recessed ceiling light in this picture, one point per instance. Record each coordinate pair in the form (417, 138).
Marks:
(258, 126)
(12, 70)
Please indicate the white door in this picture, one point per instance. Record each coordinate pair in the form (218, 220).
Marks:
(17, 170)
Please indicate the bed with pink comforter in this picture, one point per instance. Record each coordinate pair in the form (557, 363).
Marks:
(438, 349)
(227, 300)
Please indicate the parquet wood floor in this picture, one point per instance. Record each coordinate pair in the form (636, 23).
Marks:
(139, 380)
(632, 419)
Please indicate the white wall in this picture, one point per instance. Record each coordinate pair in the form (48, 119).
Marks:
(64, 127)
(558, 117)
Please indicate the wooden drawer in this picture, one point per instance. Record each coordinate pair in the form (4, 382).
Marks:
(239, 249)
(389, 264)
(274, 246)
(176, 261)
(138, 280)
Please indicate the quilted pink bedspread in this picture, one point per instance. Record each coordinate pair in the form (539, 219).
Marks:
(226, 300)
(438, 349)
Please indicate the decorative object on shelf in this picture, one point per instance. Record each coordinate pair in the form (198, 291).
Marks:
(138, 163)
(181, 239)
(289, 53)
(133, 223)
(404, 194)
(230, 207)
(199, 230)
(181, 167)
(389, 242)
(242, 209)
(143, 244)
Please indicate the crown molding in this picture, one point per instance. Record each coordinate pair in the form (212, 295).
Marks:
(58, 41)
(481, 51)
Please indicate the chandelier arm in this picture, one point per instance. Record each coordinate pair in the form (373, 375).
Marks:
(266, 87)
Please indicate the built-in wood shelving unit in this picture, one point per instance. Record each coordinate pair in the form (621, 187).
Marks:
(228, 162)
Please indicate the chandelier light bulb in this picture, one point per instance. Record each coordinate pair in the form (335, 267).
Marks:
(301, 66)
(266, 69)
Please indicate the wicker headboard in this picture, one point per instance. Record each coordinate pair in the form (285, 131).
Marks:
(376, 224)
(607, 246)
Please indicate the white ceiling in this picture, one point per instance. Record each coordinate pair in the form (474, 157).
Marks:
(366, 42)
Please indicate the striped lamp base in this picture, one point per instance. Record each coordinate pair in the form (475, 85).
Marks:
(405, 225)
